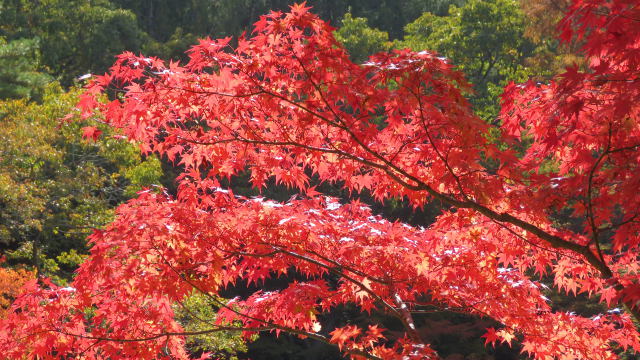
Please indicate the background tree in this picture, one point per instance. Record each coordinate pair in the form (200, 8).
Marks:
(20, 74)
(72, 35)
(359, 39)
(227, 17)
(484, 39)
(551, 56)
(75, 37)
(46, 212)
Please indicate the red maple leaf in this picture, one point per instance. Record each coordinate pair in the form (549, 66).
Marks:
(91, 132)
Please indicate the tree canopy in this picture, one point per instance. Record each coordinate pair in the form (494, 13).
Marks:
(484, 38)
(57, 187)
(286, 104)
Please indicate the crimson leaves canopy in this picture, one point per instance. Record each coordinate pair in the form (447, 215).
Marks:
(286, 103)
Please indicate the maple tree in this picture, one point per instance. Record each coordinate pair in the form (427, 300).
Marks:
(287, 104)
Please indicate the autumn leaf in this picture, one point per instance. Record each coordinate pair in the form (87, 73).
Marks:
(91, 133)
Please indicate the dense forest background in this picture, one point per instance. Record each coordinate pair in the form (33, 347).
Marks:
(56, 186)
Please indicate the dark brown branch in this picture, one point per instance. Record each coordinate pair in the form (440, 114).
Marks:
(165, 334)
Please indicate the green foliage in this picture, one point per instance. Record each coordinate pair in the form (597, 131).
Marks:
(76, 36)
(56, 187)
(19, 65)
(80, 36)
(359, 39)
(161, 18)
(198, 313)
(143, 174)
(484, 38)
(393, 15)
(174, 48)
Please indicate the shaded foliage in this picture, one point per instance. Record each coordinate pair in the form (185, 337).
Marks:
(56, 187)
(20, 75)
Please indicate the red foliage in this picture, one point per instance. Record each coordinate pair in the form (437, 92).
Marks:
(91, 132)
(287, 103)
